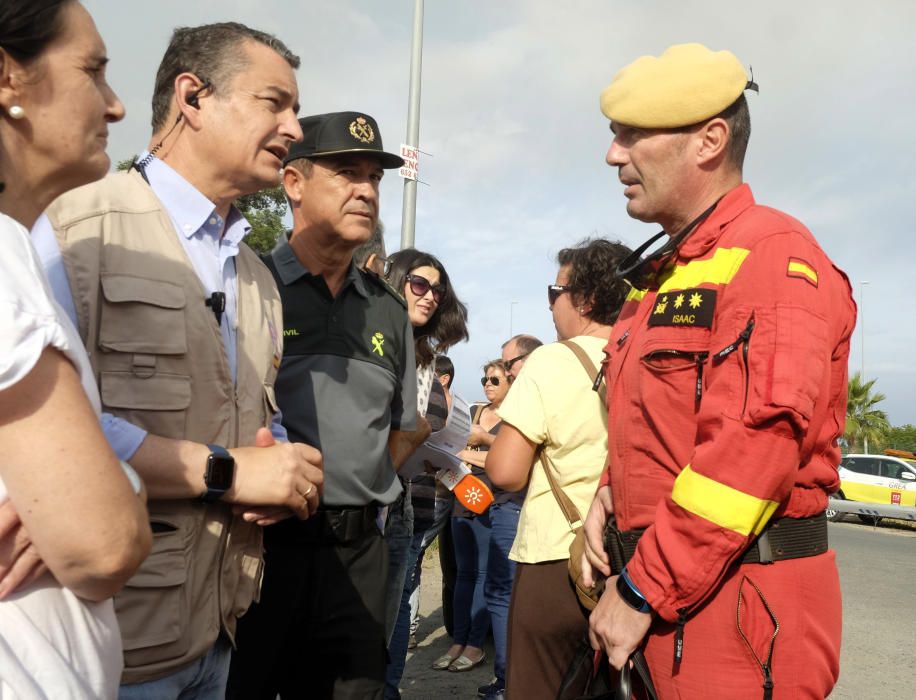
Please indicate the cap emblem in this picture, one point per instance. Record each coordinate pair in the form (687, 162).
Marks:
(361, 130)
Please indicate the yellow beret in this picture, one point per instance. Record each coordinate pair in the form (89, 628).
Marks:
(685, 85)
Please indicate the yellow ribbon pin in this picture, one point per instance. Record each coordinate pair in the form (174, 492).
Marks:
(378, 340)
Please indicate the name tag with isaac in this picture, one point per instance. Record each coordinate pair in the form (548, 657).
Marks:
(687, 307)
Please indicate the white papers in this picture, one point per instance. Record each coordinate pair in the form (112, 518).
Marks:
(442, 447)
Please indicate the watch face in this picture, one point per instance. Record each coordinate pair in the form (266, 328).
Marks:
(220, 470)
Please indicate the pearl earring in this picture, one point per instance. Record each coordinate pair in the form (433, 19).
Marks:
(17, 112)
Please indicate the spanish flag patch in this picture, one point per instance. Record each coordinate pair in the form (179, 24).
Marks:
(802, 270)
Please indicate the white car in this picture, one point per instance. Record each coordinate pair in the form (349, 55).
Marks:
(883, 479)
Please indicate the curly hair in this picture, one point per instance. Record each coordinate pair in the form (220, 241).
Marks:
(449, 324)
(496, 364)
(591, 263)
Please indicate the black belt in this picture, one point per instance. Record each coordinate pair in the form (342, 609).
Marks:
(330, 525)
(784, 538)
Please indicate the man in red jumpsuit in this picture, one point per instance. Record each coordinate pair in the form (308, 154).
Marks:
(727, 376)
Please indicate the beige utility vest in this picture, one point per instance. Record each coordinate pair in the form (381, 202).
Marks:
(160, 363)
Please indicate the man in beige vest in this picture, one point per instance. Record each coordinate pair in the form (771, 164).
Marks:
(184, 329)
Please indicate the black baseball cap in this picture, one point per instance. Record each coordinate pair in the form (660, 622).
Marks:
(341, 132)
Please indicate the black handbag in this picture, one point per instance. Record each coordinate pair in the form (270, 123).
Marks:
(590, 677)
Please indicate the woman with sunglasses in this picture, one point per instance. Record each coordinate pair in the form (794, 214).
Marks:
(439, 321)
(552, 408)
(471, 535)
(73, 527)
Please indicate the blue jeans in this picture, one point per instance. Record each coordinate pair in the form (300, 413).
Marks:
(472, 548)
(398, 537)
(423, 536)
(205, 679)
(500, 575)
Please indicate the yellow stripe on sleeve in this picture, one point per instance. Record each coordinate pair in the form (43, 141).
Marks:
(719, 269)
(720, 504)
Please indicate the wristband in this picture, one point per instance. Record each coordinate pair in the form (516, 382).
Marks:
(631, 595)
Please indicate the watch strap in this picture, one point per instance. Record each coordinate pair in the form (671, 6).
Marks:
(631, 594)
(214, 494)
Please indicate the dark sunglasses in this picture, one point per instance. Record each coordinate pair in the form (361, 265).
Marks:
(489, 380)
(420, 286)
(508, 363)
(554, 291)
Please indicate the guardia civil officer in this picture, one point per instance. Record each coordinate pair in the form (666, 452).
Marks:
(347, 385)
(727, 391)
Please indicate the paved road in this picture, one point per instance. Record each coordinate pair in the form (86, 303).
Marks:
(878, 577)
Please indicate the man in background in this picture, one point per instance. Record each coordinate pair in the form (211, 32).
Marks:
(515, 350)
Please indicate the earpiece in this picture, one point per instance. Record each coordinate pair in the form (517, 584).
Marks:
(193, 99)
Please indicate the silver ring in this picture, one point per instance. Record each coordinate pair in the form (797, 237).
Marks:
(308, 491)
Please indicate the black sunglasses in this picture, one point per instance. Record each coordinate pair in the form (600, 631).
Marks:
(491, 380)
(508, 363)
(420, 286)
(554, 291)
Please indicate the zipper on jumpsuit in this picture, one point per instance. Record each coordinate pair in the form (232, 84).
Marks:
(766, 667)
(744, 342)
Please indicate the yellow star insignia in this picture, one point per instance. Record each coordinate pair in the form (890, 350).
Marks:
(695, 300)
(678, 301)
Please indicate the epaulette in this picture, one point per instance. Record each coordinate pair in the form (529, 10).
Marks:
(383, 283)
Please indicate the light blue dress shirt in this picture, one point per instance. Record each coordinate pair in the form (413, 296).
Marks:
(211, 244)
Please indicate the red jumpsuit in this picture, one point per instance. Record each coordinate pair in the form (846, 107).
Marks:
(728, 392)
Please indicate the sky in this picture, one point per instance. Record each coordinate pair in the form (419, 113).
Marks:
(514, 141)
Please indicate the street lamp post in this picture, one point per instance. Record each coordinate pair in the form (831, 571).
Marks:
(862, 285)
(409, 204)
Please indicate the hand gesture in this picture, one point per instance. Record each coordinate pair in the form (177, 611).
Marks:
(594, 557)
(281, 476)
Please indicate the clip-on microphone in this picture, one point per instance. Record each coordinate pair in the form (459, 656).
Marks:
(217, 302)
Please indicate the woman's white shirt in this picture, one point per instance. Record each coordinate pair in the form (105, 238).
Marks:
(52, 643)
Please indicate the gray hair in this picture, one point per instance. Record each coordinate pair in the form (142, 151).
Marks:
(211, 52)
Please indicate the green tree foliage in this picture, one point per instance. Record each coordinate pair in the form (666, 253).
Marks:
(123, 165)
(865, 424)
(901, 437)
(264, 211)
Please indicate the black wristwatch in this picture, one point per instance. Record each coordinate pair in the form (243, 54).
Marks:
(219, 473)
(630, 595)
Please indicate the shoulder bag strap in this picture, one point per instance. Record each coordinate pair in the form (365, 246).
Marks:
(589, 367)
(566, 505)
(573, 517)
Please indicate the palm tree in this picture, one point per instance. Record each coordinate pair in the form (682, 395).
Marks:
(864, 422)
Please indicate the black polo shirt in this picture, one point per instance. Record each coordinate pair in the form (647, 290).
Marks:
(348, 376)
